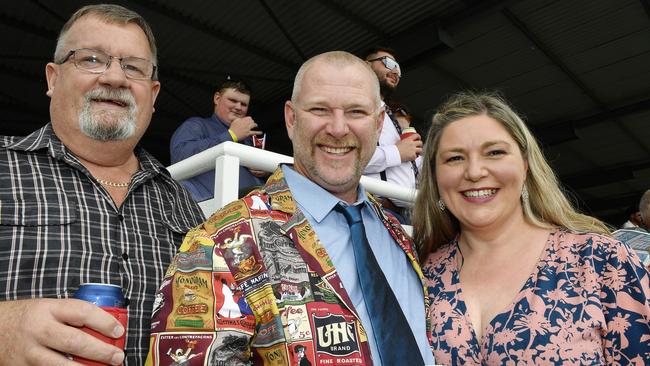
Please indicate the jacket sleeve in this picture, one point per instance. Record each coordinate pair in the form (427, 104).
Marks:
(199, 313)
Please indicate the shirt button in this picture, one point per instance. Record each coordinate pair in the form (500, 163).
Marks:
(125, 256)
(120, 217)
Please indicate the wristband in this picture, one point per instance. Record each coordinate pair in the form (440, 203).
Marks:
(232, 134)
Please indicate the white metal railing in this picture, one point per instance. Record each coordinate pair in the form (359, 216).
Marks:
(226, 158)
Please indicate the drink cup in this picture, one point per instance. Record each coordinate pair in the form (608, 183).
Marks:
(408, 131)
(111, 300)
(259, 141)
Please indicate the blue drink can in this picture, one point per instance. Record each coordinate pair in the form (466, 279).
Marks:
(101, 294)
(111, 299)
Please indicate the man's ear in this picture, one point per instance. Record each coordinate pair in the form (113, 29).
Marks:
(155, 89)
(289, 118)
(216, 97)
(51, 74)
(380, 120)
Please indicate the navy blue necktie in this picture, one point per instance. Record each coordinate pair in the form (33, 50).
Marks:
(393, 336)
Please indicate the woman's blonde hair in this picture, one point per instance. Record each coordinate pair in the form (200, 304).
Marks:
(547, 204)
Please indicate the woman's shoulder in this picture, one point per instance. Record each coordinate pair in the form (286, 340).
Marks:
(589, 244)
(584, 238)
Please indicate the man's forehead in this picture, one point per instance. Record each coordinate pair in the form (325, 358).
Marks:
(327, 73)
(382, 54)
(234, 93)
(352, 80)
(88, 31)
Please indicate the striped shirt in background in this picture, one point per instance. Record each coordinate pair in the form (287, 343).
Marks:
(59, 227)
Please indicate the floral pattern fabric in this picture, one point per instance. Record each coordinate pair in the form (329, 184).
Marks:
(586, 303)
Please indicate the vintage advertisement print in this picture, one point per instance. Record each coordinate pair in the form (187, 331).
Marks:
(256, 204)
(198, 257)
(229, 349)
(180, 349)
(281, 258)
(193, 301)
(296, 323)
(238, 249)
(301, 353)
(163, 295)
(274, 355)
(293, 293)
(231, 309)
(336, 337)
(315, 254)
(232, 212)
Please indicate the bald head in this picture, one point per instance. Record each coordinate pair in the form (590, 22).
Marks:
(644, 209)
(338, 59)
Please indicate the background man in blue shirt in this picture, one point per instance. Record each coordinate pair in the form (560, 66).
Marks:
(228, 123)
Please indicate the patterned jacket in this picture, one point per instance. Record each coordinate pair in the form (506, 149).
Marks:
(254, 283)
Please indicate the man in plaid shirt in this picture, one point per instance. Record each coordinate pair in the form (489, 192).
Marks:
(81, 202)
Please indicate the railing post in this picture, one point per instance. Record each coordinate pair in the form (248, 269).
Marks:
(226, 180)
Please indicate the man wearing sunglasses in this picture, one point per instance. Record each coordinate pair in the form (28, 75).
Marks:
(395, 160)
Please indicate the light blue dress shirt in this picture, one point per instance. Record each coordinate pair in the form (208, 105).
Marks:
(334, 233)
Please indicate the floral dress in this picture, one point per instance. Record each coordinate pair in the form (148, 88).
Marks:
(586, 303)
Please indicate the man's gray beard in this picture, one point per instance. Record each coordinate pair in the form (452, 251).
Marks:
(105, 125)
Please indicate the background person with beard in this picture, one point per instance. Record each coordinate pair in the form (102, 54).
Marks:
(228, 123)
(81, 202)
(395, 160)
(333, 120)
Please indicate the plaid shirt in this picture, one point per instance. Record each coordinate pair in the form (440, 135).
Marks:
(59, 227)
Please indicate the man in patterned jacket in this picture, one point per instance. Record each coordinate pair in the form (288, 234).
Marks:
(272, 278)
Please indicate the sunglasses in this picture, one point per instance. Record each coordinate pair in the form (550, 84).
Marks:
(389, 63)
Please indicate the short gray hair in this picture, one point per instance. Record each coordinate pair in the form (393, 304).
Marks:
(112, 14)
(643, 204)
(339, 59)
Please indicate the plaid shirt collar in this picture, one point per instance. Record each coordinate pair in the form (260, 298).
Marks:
(45, 138)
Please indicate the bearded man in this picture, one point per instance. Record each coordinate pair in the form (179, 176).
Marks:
(81, 202)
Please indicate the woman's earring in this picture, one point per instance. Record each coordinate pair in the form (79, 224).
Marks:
(441, 205)
(524, 194)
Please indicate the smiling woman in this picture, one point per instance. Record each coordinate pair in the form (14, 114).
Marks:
(514, 273)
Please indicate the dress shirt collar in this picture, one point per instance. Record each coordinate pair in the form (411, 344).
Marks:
(304, 190)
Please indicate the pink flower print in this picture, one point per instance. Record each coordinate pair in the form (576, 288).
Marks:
(523, 356)
(432, 282)
(622, 254)
(442, 358)
(505, 337)
(566, 252)
(549, 351)
(458, 334)
(494, 358)
(556, 294)
(627, 302)
(637, 361)
(619, 324)
(441, 308)
(534, 321)
(614, 278)
(586, 276)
